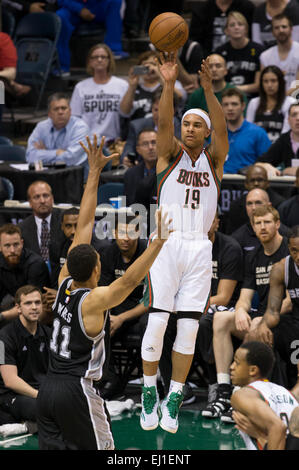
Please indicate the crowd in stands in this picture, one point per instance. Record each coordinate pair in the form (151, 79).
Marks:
(253, 51)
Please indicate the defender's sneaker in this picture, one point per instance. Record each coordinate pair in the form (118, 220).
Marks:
(149, 417)
(170, 410)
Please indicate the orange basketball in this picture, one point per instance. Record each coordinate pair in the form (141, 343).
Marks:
(168, 32)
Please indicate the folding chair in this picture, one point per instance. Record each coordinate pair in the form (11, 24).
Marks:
(36, 39)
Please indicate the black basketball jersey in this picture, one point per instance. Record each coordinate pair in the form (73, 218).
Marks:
(291, 277)
(72, 351)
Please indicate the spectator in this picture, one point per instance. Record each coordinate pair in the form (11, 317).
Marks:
(270, 109)
(73, 13)
(209, 17)
(138, 99)
(218, 70)
(255, 178)
(282, 156)
(241, 54)
(25, 361)
(247, 141)
(238, 323)
(18, 266)
(137, 125)
(96, 99)
(43, 225)
(57, 138)
(245, 234)
(125, 318)
(262, 17)
(227, 259)
(146, 148)
(285, 55)
(289, 209)
(60, 244)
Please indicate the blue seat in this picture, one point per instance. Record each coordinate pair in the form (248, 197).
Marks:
(36, 40)
(13, 153)
(8, 22)
(5, 140)
(9, 187)
(108, 190)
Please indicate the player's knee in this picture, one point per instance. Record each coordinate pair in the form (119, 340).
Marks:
(186, 336)
(152, 342)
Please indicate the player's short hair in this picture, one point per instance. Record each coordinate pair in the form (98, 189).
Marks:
(261, 355)
(264, 210)
(25, 290)
(10, 229)
(293, 233)
(81, 261)
(233, 92)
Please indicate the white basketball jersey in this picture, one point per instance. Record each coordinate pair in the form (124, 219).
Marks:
(189, 192)
(280, 400)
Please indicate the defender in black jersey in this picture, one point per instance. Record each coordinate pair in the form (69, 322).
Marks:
(71, 413)
(282, 331)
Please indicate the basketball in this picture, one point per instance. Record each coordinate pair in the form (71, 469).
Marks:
(168, 32)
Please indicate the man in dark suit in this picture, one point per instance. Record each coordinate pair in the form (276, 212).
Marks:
(137, 125)
(146, 148)
(43, 225)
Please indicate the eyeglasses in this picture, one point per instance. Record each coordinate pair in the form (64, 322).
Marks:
(147, 144)
(97, 57)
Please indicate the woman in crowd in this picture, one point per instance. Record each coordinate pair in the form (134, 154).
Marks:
(241, 54)
(97, 99)
(137, 101)
(270, 109)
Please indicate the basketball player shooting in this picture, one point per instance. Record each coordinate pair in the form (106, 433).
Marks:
(188, 182)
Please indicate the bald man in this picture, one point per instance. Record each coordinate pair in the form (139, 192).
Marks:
(256, 178)
(245, 235)
(219, 84)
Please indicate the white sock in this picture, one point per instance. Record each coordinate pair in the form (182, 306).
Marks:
(223, 378)
(175, 387)
(150, 380)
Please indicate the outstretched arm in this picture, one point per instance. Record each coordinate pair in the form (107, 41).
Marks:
(219, 138)
(167, 145)
(97, 161)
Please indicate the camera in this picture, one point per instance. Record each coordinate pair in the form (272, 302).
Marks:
(140, 70)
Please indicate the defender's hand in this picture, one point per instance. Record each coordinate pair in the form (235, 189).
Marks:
(96, 158)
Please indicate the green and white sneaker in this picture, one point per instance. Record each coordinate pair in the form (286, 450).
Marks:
(170, 411)
(149, 417)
